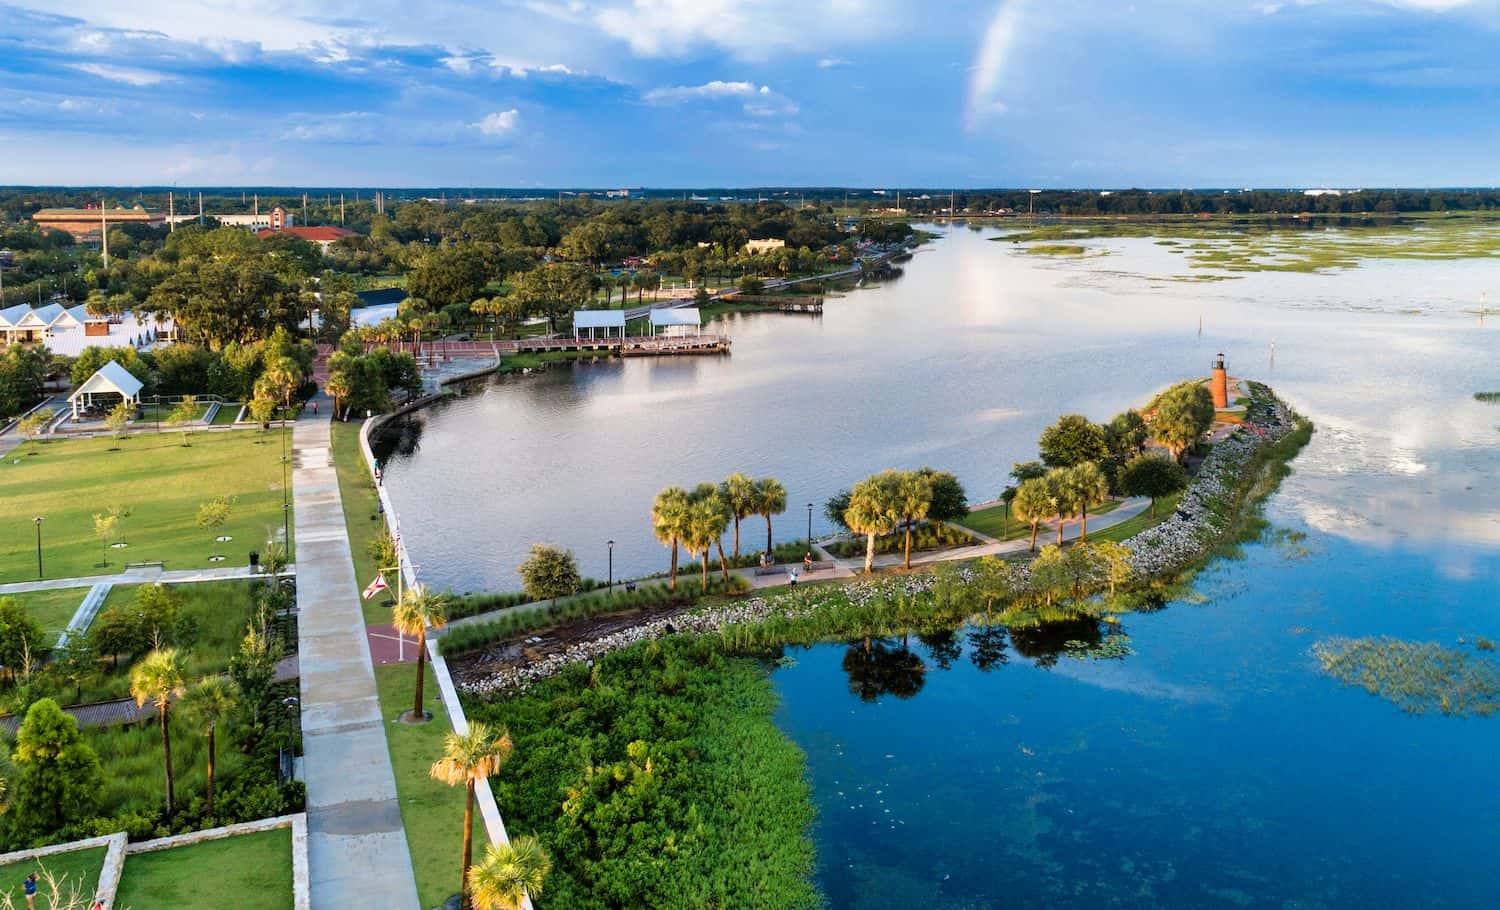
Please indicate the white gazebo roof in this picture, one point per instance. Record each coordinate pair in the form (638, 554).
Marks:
(679, 316)
(110, 378)
(598, 319)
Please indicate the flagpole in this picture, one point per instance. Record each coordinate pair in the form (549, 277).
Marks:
(400, 636)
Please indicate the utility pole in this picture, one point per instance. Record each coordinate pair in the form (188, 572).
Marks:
(104, 230)
(341, 208)
(171, 214)
(200, 208)
(304, 208)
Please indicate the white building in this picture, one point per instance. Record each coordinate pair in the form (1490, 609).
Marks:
(109, 385)
(68, 330)
(274, 220)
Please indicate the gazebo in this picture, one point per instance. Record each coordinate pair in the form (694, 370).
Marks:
(602, 321)
(676, 321)
(111, 379)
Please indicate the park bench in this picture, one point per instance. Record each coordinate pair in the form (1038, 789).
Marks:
(818, 567)
(772, 569)
(158, 564)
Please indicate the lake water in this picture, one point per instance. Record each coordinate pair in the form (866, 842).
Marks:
(1213, 766)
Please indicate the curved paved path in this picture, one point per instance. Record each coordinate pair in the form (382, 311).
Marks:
(356, 847)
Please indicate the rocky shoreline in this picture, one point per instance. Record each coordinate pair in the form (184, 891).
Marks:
(1182, 538)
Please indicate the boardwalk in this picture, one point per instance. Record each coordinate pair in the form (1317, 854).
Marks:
(357, 850)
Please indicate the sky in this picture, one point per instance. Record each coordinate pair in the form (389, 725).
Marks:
(687, 93)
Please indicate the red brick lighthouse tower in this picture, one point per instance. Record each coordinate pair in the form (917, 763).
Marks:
(1219, 385)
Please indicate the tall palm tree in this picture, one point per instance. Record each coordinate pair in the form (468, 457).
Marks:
(1089, 486)
(707, 492)
(209, 704)
(873, 511)
(1063, 496)
(469, 758)
(1033, 502)
(740, 494)
(913, 499)
(508, 873)
(770, 499)
(668, 521)
(158, 678)
(418, 609)
(337, 386)
(707, 519)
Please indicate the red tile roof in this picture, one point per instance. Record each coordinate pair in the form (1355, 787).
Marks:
(315, 234)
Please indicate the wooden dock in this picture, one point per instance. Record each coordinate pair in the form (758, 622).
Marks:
(799, 304)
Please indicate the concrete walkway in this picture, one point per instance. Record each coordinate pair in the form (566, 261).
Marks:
(137, 577)
(356, 846)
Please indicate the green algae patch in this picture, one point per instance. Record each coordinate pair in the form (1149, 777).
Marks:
(1417, 677)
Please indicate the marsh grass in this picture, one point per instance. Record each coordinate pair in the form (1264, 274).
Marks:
(1417, 677)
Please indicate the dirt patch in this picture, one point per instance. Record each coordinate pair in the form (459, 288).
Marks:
(530, 647)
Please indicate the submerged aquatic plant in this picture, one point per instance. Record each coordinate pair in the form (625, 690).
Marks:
(1417, 677)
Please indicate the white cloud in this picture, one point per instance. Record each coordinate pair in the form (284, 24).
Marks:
(748, 31)
(500, 123)
(829, 63)
(126, 74)
(990, 63)
(709, 90)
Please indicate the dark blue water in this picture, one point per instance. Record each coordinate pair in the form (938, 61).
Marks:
(1214, 767)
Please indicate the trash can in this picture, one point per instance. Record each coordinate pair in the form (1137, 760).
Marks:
(254, 561)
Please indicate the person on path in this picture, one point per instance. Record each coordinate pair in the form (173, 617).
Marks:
(794, 578)
(807, 562)
(30, 887)
(315, 407)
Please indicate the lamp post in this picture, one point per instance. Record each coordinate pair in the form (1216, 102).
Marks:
(38, 521)
(611, 582)
(809, 526)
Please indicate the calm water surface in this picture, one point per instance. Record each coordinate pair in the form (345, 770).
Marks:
(1213, 766)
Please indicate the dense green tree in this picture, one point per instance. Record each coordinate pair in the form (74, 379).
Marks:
(1033, 503)
(1183, 414)
(949, 500)
(450, 274)
(22, 639)
(874, 509)
(58, 776)
(1152, 475)
(549, 573)
(553, 290)
(835, 507)
(1073, 440)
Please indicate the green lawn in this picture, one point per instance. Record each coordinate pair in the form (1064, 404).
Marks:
(361, 514)
(78, 869)
(247, 872)
(53, 609)
(162, 482)
(992, 522)
(1132, 526)
(431, 812)
(150, 413)
(227, 413)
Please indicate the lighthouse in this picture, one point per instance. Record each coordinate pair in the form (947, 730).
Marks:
(1219, 385)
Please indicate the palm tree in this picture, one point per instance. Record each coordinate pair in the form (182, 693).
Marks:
(337, 386)
(739, 492)
(469, 758)
(282, 376)
(770, 499)
(418, 609)
(668, 521)
(1063, 497)
(707, 492)
(913, 499)
(873, 511)
(209, 704)
(707, 519)
(508, 873)
(1032, 504)
(158, 678)
(1089, 486)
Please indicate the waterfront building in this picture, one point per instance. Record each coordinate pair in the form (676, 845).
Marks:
(606, 323)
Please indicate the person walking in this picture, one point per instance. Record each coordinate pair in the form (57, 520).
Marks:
(30, 887)
(794, 578)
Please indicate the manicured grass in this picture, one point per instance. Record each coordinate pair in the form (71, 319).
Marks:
(247, 872)
(227, 413)
(161, 481)
(992, 521)
(52, 609)
(149, 413)
(361, 515)
(431, 812)
(1132, 526)
(78, 869)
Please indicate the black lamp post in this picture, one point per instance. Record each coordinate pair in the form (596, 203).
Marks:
(38, 521)
(611, 577)
(809, 526)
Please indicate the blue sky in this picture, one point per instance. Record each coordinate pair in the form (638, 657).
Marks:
(1103, 93)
